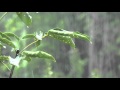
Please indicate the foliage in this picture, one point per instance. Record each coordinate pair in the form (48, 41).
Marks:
(57, 33)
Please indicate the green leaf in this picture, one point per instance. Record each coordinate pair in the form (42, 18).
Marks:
(25, 17)
(28, 36)
(59, 29)
(60, 32)
(5, 36)
(4, 58)
(6, 41)
(69, 33)
(82, 36)
(39, 54)
(11, 35)
(66, 39)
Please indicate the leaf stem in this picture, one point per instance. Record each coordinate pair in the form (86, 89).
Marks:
(28, 45)
(32, 43)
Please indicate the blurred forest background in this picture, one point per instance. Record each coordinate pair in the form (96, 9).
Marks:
(98, 60)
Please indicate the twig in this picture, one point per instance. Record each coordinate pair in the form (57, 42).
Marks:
(32, 43)
(11, 73)
(6, 66)
(29, 45)
(3, 16)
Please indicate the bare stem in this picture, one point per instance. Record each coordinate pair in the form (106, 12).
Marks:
(11, 73)
(29, 45)
(3, 16)
(5, 65)
(13, 66)
(32, 43)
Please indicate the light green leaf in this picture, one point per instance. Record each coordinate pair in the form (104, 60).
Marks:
(66, 39)
(39, 54)
(28, 36)
(2, 58)
(6, 41)
(11, 35)
(25, 17)
(5, 36)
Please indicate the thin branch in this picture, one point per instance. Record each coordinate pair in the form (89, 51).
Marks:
(11, 73)
(29, 45)
(3, 16)
(6, 66)
(32, 43)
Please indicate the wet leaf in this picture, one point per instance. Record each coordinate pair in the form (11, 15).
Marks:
(39, 54)
(28, 36)
(6, 41)
(66, 39)
(69, 33)
(5, 36)
(25, 17)
(11, 35)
